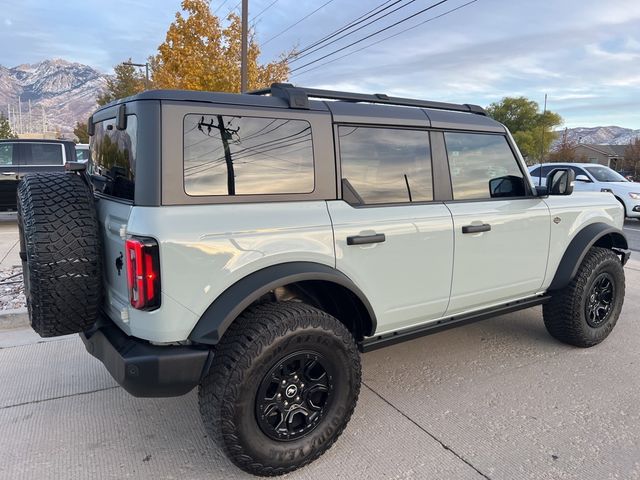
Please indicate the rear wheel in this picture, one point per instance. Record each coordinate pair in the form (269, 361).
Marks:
(282, 387)
(61, 253)
(584, 313)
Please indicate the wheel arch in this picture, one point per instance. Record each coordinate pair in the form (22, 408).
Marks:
(594, 235)
(320, 285)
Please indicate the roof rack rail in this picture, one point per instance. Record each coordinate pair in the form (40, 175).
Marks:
(298, 97)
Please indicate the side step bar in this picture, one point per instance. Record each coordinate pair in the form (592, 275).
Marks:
(379, 341)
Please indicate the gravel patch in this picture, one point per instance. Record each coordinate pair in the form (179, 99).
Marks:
(11, 289)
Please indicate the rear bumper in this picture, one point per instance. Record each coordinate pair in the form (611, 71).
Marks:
(146, 370)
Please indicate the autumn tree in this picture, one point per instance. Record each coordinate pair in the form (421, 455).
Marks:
(5, 128)
(632, 157)
(81, 131)
(566, 151)
(532, 130)
(126, 81)
(200, 54)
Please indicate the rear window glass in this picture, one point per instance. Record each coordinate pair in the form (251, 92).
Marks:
(233, 155)
(6, 154)
(42, 154)
(113, 158)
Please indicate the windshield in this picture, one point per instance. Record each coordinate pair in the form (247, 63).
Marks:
(604, 174)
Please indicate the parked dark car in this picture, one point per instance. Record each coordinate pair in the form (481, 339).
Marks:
(19, 157)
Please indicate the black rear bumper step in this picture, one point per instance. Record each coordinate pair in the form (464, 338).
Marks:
(146, 370)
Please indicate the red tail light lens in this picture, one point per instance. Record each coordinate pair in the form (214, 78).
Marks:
(143, 273)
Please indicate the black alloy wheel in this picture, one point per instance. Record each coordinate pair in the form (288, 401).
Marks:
(599, 301)
(294, 395)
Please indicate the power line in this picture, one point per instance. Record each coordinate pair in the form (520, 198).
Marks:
(297, 22)
(320, 47)
(263, 10)
(352, 23)
(387, 38)
(371, 35)
(220, 7)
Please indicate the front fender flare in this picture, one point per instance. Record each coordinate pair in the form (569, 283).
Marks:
(235, 299)
(578, 248)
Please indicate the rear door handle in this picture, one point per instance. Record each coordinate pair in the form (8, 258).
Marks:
(365, 239)
(485, 227)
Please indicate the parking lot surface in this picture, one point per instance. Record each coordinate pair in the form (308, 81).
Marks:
(499, 399)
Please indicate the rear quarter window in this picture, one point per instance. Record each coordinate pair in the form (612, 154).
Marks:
(113, 158)
(240, 155)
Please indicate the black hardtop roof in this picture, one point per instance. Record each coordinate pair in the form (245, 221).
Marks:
(36, 140)
(286, 96)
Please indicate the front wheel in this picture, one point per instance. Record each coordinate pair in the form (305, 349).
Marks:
(282, 387)
(584, 313)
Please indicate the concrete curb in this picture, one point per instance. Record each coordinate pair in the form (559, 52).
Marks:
(15, 318)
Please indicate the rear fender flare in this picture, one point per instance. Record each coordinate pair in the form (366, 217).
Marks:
(234, 300)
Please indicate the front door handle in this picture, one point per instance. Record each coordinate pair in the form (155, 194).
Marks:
(365, 239)
(485, 227)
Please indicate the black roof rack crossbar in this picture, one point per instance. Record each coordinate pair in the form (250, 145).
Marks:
(298, 97)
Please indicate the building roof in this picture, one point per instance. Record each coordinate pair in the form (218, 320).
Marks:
(609, 150)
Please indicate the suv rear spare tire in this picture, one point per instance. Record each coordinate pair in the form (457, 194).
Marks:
(61, 253)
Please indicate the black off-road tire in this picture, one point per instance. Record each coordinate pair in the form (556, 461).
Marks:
(61, 252)
(259, 341)
(566, 315)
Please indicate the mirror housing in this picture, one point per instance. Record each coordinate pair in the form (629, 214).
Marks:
(582, 178)
(560, 181)
(542, 191)
(507, 186)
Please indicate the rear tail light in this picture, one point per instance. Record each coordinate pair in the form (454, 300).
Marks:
(143, 273)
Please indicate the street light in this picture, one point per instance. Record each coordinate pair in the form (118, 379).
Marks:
(146, 71)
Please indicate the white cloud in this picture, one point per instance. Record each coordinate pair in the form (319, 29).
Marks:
(8, 22)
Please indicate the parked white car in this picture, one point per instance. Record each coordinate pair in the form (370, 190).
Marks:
(592, 177)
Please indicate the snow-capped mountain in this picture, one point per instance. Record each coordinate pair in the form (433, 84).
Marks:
(600, 135)
(62, 91)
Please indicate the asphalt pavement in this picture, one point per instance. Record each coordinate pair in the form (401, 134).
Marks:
(499, 399)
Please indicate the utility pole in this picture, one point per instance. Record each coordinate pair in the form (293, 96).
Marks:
(30, 124)
(20, 112)
(244, 79)
(146, 71)
(544, 125)
(231, 176)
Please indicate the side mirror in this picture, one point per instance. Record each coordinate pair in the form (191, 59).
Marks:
(542, 191)
(582, 178)
(508, 186)
(560, 181)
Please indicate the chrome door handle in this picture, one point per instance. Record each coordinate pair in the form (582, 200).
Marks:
(365, 239)
(485, 227)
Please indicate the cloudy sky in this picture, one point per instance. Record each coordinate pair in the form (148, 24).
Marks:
(585, 54)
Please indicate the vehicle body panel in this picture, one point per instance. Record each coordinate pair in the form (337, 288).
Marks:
(407, 278)
(202, 253)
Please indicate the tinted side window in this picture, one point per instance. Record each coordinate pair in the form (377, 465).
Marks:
(483, 166)
(113, 158)
(42, 154)
(385, 165)
(233, 155)
(6, 154)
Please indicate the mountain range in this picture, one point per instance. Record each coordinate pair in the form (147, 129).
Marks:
(61, 93)
(599, 135)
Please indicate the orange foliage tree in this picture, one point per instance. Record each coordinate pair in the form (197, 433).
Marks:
(200, 54)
